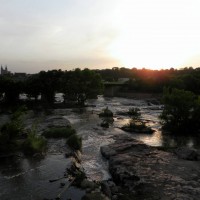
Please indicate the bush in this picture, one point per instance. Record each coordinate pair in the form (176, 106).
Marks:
(10, 131)
(181, 112)
(59, 132)
(75, 142)
(137, 126)
(106, 113)
(34, 144)
(134, 112)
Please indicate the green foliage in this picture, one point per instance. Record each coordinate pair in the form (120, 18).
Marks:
(11, 90)
(181, 111)
(13, 129)
(19, 113)
(32, 86)
(50, 82)
(137, 126)
(59, 132)
(75, 142)
(34, 144)
(80, 85)
(106, 113)
(134, 112)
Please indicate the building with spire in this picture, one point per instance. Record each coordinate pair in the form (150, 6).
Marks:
(4, 71)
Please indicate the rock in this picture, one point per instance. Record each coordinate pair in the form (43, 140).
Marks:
(68, 154)
(88, 184)
(77, 155)
(95, 196)
(62, 184)
(106, 189)
(105, 124)
(187, 154)
(115, 197)
(153, 101)
(111, 183)
(106, 113)
(146, 172)
(56, 121)
(107, 152)
(52, 121)
(114, 189)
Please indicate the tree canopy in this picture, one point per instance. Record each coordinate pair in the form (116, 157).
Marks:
(181, 112)
(77, 85)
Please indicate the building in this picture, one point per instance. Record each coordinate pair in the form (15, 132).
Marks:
(4, 71)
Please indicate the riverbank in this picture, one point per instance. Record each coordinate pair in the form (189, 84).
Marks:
(143, 172)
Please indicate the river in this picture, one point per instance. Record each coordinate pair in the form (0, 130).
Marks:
(22, 178)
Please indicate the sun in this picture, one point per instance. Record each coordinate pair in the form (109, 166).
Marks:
(155, 37)
(146, 54)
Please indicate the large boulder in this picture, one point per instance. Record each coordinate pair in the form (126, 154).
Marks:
(143, 172)
(187, 153)
(55, 121)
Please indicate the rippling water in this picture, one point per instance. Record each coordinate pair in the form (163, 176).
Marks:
(87, 124)
(28, 179)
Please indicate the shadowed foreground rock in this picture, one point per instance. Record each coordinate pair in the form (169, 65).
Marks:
(144, 172)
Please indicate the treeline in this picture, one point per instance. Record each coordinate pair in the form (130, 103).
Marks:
(145, 80)
(76, 85)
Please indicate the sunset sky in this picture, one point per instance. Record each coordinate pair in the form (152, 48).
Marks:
(65, 34)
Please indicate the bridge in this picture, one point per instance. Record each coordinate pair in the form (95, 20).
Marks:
(111, 88)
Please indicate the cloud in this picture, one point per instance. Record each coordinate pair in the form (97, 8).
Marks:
(37, 31)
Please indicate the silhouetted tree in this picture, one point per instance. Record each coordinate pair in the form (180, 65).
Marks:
(181, 112)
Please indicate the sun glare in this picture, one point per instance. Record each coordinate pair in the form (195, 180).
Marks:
(159, 36)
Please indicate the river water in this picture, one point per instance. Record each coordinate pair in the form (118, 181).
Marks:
(22, 178)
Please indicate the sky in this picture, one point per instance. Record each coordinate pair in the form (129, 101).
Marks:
(40, 35)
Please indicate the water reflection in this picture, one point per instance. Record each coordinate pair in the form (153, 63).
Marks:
(158, 138)
(180, 141)
(23, 179)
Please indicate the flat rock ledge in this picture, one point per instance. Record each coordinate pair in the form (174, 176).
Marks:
(143, 172)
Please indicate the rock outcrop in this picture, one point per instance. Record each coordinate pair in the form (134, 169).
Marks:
(144, 172)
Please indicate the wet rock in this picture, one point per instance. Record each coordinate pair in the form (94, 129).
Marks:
(88, 184)
(47, 122)
(77, 155)
(153, 102)
(105, 124)
(115, 197)
(68, 154)
(114, 189)
(106, 189)
(111, 183)
(62, 184)
(144, 172)
(95, 196)
(56, 121)
(107, 152)
(187, 154)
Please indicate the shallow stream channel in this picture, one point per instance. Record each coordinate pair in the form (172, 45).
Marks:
(28, 178)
